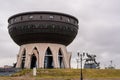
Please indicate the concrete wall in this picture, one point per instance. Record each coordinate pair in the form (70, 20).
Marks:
(40, 54)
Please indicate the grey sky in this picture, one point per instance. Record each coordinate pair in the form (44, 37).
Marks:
(99, 27)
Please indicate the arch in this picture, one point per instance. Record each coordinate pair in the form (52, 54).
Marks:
(48, 60)
(48, 51)
(33, 61)
(60, 59)
(34, 58)
(23, 56)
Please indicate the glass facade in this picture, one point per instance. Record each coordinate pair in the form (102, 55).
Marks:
(60, 60)
(23, 59)
(33, 61)
(48, 61)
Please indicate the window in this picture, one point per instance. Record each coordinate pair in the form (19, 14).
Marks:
(31, 17)
(15, 20)
(21, 17)
(48, 60)
(23, 59)
(68, 19)
(40, 17)
(35, 58)
(51, 17)
(60, 59)
(61, 18)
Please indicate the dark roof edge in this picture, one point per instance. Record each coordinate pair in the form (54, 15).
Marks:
(42, 12)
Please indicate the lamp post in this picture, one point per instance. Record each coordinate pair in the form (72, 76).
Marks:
(80, 56)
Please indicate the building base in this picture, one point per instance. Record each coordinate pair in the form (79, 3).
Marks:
(43, 55)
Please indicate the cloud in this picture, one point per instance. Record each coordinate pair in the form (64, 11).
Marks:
(99, 26)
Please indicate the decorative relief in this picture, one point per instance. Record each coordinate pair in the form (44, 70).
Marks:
(45, 28)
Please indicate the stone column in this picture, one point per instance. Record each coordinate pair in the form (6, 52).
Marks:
(55, 56)
(40, 54)
(18, 65)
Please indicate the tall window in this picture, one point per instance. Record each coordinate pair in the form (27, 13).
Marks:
(23, 59)
(33, 61)
(48, 61)
(60, 59)
(35, 58)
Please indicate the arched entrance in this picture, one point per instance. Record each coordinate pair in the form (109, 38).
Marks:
(34, 58)
(60, 60)
(23, 59)
(48, 61)
(33, 61)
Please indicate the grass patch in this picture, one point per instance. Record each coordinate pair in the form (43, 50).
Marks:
(68, 74)
(22, 73)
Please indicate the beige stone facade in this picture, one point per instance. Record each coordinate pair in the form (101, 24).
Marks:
(43, 55)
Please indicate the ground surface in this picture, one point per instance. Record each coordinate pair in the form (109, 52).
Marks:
(27, 78)
(65, 74)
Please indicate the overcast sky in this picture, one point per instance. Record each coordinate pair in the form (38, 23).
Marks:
(99, 27)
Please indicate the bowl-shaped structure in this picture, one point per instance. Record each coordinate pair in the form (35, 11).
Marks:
(43, 27)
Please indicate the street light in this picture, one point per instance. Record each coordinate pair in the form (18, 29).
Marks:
(80, 56)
